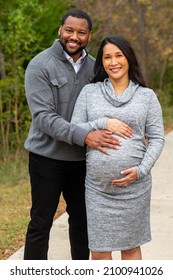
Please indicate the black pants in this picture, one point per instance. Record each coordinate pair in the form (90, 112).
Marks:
(49, 178)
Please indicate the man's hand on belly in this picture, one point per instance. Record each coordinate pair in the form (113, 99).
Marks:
(102, 138)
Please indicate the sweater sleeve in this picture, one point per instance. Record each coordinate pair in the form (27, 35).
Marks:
(155, 135)
(42, 106)
(80, 114)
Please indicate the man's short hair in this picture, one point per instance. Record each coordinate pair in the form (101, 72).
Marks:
(77, 14)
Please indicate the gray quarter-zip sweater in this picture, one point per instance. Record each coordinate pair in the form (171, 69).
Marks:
(52, 87)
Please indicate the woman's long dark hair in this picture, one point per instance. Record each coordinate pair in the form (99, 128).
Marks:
(135, 73)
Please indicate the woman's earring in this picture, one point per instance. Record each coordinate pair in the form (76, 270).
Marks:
(102, 69)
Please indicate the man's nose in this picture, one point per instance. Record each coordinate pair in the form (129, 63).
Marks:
(74, 36)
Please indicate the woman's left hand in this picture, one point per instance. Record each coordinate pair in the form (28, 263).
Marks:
(119, 128)
(130, 176)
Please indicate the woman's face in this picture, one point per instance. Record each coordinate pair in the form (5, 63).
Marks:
(115, 63)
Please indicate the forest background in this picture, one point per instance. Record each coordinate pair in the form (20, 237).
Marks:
(29, 26)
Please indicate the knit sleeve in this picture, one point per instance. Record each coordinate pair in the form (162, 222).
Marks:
(80, 114)
(155, 134)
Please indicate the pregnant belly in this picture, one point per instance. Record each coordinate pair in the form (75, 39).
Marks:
(110, 166)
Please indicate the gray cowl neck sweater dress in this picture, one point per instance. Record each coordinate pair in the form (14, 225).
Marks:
(119, 217)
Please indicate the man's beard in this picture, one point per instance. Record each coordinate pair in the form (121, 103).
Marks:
(79, 50)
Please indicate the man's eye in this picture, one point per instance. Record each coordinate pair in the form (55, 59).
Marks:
(68, 30)
(82, 33)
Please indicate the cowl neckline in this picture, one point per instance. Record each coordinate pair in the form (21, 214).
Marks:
(118, 100)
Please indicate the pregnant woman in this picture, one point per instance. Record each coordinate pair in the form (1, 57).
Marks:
(118, 184)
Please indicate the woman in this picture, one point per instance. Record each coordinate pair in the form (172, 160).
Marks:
(118, 185)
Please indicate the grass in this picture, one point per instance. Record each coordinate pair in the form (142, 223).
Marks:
(15, 204)
(14, 216)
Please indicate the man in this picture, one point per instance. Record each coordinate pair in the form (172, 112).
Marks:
(53, 81)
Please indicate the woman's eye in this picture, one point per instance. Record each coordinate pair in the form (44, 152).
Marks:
(119, 55)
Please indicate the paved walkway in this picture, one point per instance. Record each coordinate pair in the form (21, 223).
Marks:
(161, 216)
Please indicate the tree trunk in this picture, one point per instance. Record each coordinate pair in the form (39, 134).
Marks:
(143, 54)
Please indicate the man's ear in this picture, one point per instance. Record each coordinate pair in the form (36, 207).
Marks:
(59, 31)
(90, 36)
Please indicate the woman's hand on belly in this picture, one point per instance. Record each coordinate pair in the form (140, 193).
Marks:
(119, 128)
(130, 176)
